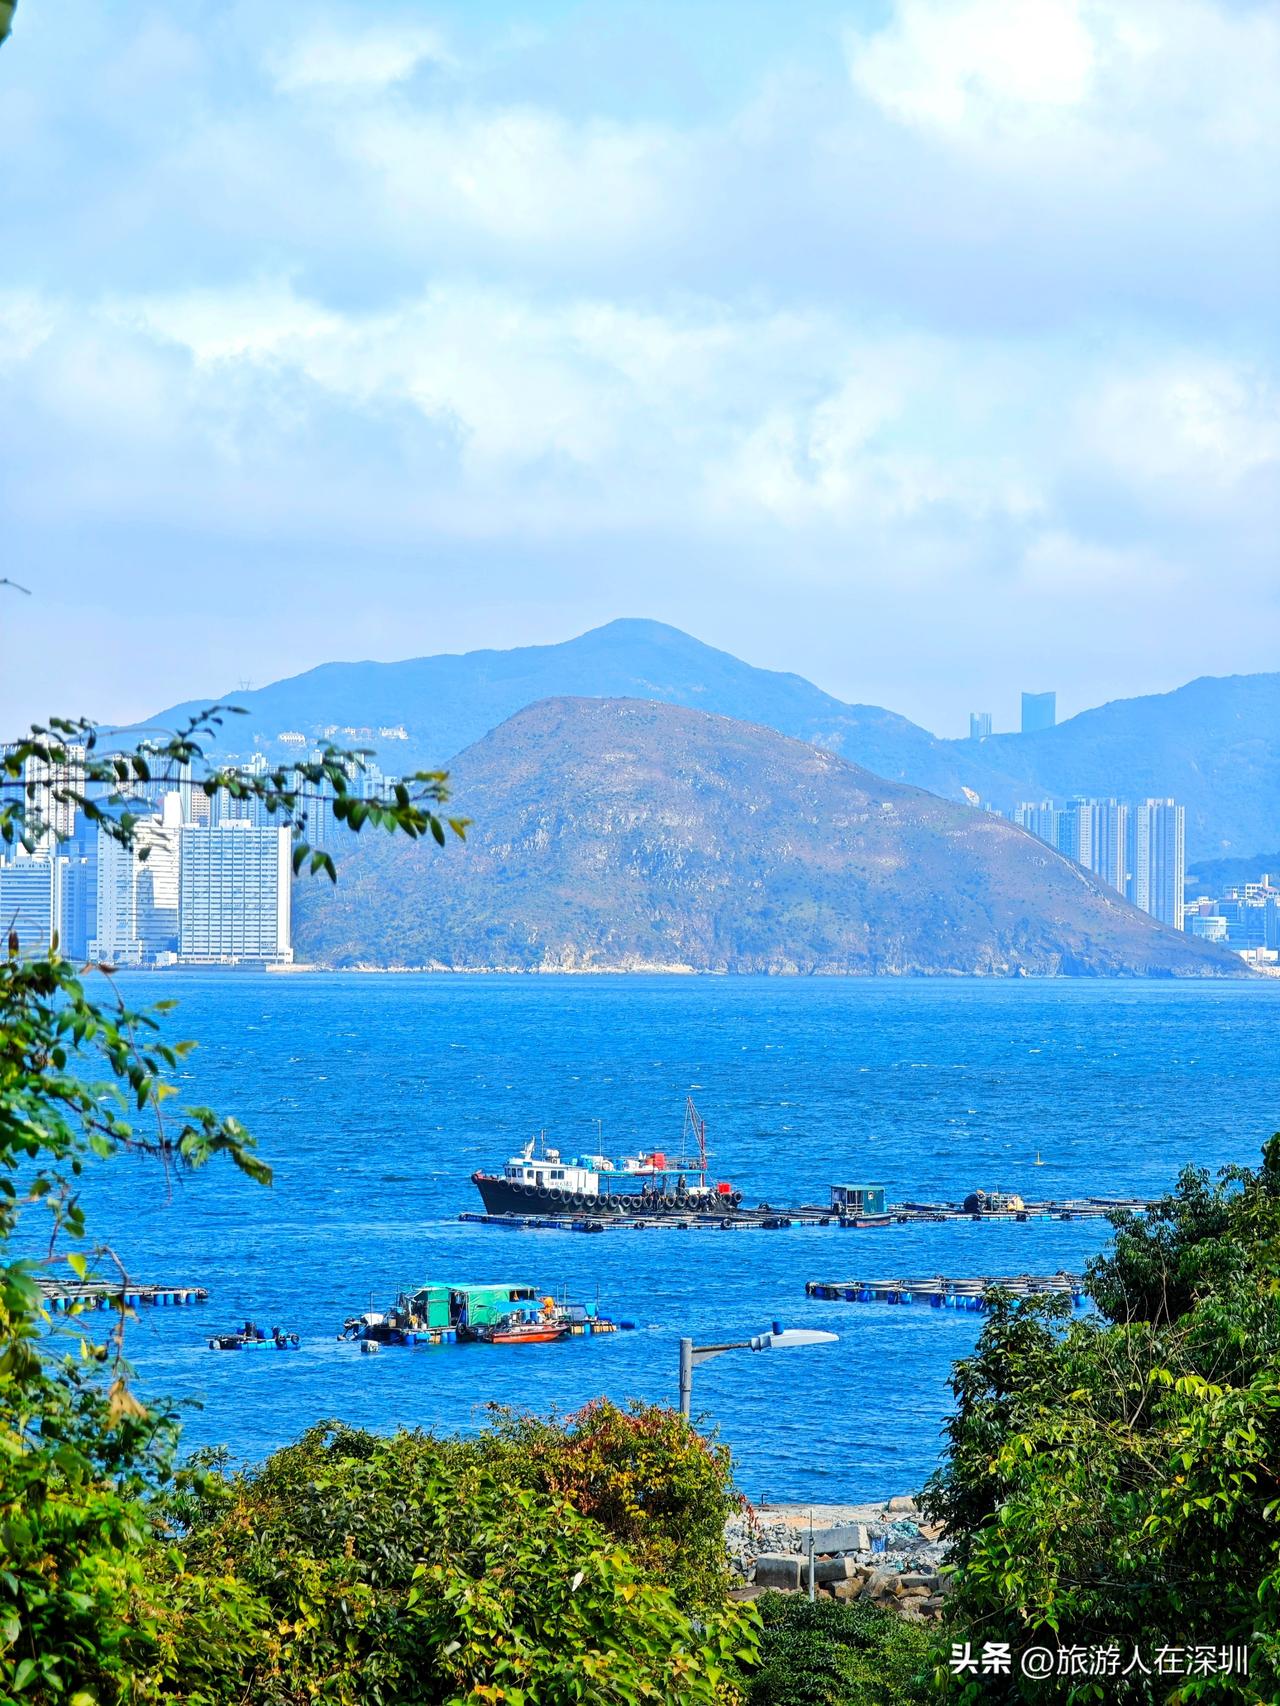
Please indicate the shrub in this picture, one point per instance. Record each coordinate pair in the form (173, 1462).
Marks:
(410, 1569)
(828, 1653)
(646, 1475)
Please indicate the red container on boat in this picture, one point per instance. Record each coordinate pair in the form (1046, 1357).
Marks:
(724, 1188)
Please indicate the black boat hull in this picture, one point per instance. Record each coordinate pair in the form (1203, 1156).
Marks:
(505, 1196)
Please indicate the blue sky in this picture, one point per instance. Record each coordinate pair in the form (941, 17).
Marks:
(925, 347)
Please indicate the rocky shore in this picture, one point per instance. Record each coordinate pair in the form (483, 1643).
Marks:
(890, 1555)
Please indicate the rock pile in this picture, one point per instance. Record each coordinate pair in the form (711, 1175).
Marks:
(894, 1558)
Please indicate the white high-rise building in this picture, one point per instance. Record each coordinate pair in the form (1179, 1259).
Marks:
(235, 890)
(1158, 859)
(43, 779)
(1110, 842)
(137, 899)
(27, 901)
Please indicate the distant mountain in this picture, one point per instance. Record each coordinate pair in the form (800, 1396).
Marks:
(447, 702)
(1215, 744)
(629, 834)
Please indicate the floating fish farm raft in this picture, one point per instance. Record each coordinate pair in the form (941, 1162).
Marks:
(942, 1293)
(444, 1313)
(771, 1219)
(75, 1295)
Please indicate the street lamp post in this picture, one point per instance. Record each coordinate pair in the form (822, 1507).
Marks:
(778, 1338)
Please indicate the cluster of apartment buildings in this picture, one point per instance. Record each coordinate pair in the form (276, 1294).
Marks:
(206, 880)
(1137, 846)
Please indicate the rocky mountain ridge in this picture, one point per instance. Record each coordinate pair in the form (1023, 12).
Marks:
(627, 834)
(1214, 744)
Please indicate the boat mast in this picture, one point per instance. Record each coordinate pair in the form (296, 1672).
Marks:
(694, 1122)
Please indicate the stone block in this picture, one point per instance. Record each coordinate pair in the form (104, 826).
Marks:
(919, 1579)
(848, 1537)
(830, 1570)
(901, 1502)
(846, 1590)
(778, 1570)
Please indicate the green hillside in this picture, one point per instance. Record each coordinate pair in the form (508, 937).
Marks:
(626, 834)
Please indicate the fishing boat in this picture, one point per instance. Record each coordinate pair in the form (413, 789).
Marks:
(540, 1181)
(251, 1338)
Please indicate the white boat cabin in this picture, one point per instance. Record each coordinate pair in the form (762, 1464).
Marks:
(581, 1176)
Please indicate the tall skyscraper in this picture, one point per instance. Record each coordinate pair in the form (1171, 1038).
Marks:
(979, 725)
(1110, 842)
(44, 780)
(1039, 711)
(1158, 859)
(1074, 832)
(75, 895)
(137, 891)
(234, 893)
(1138, 849)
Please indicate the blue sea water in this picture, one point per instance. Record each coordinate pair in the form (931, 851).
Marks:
(374, 1097)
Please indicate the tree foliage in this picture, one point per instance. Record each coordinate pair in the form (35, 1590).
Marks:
(423, 1570)
(1116, 1480)
(827, 1653)
(84, 1076)
(647, 1476)
(66, 764)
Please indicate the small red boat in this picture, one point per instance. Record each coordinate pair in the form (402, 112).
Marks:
(526, 1333)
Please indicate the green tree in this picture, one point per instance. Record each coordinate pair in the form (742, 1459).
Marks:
(1116, 1480)
(421, 1570)
(647, 1476)
(84, 1076)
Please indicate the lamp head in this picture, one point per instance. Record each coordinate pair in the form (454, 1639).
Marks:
(790, 1338)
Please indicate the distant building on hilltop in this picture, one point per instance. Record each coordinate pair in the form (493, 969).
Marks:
(979, 725)
(1039, 711)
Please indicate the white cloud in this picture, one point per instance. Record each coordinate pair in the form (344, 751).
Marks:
(956, 63)
(588, 415)
(518, 174)
(1149, 86)
(1191, 428)
(360, 58)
